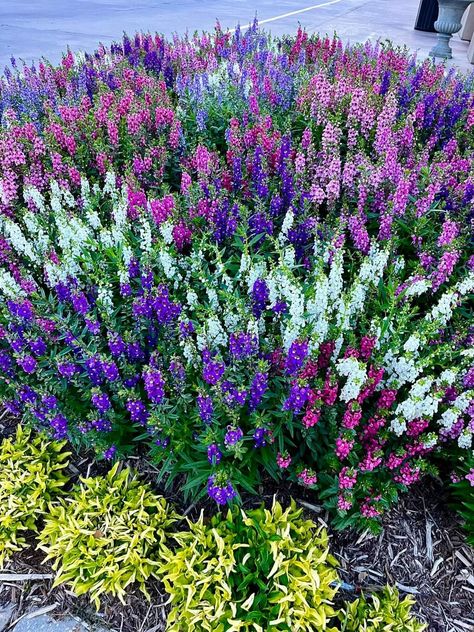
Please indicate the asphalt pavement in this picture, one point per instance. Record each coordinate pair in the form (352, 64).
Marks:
(31, 29)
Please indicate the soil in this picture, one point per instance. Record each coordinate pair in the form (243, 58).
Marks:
(422, 550)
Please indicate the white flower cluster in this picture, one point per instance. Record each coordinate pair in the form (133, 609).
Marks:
(465, 439)
(399, 264)
(74, 238)
(17, 240)
(442, 312)
(110, 186)
(192, 299)
(9, 287)
(424, 398)
(168, 263)
(412, 344)
(286, 225)
(232, 321)
(213, 298)
(145, 235)
(190, 352)
(105, 299)
(400, 370)
(32, 194)
(335, 282)
(254, 272)
(447, 377)
(370, 273)
(430, 440)
(456, 409)
(422, 401)
(417, 288)
(119, 213)
(398, 426)
(212, 335)
(166, 230)
(356, 375)
(292, 293)
(317, 309)
(37, 234)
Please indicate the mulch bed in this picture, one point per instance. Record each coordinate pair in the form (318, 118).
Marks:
(422, 550)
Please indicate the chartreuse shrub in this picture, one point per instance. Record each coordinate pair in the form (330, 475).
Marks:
(384, 612)
(31, 475)
(105, 535)
(257, 570)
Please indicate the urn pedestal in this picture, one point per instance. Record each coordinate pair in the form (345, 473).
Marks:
(448, 23)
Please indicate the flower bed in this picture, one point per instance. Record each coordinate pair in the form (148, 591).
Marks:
(243, 257)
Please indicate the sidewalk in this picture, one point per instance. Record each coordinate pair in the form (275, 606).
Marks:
(32, 28)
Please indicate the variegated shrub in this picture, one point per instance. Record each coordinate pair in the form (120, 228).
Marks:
(253, 570)
(105, 534)
(380, 612)
(31, 475)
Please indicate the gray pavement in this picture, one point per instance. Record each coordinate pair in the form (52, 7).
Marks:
(37, 622)
(45, 623)
(30, 29)
(6, 614)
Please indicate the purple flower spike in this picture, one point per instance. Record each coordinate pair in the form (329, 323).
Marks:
(109, 453)
(28, 364)
(101, 401)
(67, 369)
(102, 425)
(23, 310)
(116, 345)
(80, 304)
(138, 411)
(111, 371)
(59, 424)
(260, 296)
(297, 398)
(154, 386)
(296, 356)
(258, 389)
(206, 408)
(212, 372)
(242, 345)
(220, 489)
(214, 455)
(260, 437)
(233, 436)
(38, 346)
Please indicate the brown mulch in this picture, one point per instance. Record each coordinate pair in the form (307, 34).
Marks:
(422, 550)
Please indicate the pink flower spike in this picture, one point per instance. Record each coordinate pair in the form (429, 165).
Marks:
(283, 460)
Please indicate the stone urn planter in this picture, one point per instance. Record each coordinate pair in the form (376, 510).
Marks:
(448, 23)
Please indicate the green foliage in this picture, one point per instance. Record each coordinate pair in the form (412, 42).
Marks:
(463, 499)
(257, 570)
(384, 612)
(31, 475)
(105, 535)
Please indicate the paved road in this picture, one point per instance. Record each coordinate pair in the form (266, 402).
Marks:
(30, 29)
